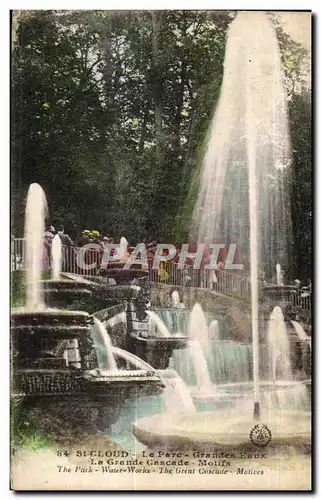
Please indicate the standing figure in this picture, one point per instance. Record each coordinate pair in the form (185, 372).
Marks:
(48, 236)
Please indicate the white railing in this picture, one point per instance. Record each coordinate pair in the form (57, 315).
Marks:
(226, 282)
(69, 259)
(222, 281)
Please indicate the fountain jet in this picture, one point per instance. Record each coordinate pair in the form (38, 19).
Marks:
(34, 234)
(278, 275)
(176, 301)
(156, 321)
(279, 346)
(243, 195)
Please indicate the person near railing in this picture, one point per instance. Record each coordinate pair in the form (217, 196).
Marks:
(187, 280)
(47, 243)
(92, 256)
(67, 253)
(163, 272)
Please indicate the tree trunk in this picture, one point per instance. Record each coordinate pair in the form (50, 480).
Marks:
(158, 91)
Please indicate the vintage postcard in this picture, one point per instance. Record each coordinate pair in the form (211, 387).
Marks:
(161, 250)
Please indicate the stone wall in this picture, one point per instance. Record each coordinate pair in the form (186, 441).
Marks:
(236, 312)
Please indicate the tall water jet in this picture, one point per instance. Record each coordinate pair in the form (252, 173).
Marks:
(278, 275)
(176, 301)
(123, 246)
(197, 328)
(193, 364)
(279, 346)
(56, 257)
(199, 331)
(203, 379)
(34, 234)
(214, 330)
(243, 195)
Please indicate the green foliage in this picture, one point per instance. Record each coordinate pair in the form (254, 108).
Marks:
(108, 110)
(302, 177)
(24, 433)
(35, 442)
(18, 287)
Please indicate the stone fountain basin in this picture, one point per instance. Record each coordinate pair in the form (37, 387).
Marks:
(50, 320)
(66, 288)
(63, 292)
(229, 430)
(145, 382)
(97, 385)
(89, 281)
(122, 276)
(120, 375)
(47, 313)
(162, 343)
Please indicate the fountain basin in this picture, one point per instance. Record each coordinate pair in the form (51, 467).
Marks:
(60, 293)
(156, 351)
(68, 404)
(287, 395)
(123, 276)
(48, 321)
(68, 285)
(143, 382)
(226, 429)
(96, 385)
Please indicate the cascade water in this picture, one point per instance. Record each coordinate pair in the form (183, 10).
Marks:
(231, 362)
(56, 257)
(176, 302)
(34, 235)
(278, 275)
(156, 321)
(195, 360)
(198, 330)
(119, 318)
(103, 347)
(279, 346)
(214, 330)
(244, 184)
(305, 343)
(175, 320)
(177, 397)
(300, 332)
(292, 397)
(202, 375)
(224, 360)
(132, 362)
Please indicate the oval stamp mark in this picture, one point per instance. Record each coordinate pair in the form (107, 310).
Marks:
(260, 435)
